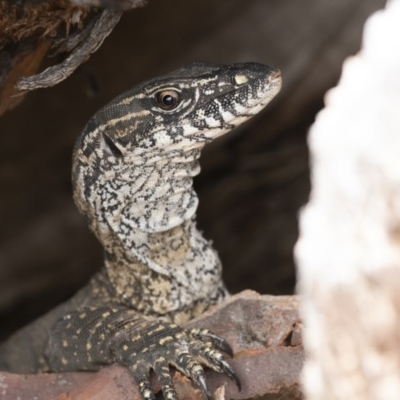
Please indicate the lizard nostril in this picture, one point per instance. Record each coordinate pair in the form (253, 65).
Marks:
(276, 74)
(240, 79)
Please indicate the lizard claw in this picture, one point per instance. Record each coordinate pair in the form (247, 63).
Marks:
(203, 385)
(217, 341)
(228, 370)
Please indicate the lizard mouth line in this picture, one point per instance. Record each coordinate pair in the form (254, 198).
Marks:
(271, 87)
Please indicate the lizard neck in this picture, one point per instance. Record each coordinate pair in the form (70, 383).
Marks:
(175, 273)
(156, 260)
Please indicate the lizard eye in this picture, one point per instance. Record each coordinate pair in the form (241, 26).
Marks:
(168, 99)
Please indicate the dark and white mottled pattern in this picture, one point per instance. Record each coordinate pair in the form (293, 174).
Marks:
(132, 175)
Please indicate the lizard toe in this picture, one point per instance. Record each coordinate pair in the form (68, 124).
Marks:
(161, 369)
(189, 366)
(141, 376)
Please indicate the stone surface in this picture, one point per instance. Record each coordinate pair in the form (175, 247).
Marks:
(260, 329)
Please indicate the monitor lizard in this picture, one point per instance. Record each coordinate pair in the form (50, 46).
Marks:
(133, 167)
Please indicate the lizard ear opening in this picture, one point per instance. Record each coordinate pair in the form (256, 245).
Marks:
(111, 146)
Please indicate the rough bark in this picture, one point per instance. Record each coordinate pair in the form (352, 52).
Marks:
(82, 45)
(349, 249)
(28, 29)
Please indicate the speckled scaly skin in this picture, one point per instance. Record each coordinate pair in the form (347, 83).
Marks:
(132, 177)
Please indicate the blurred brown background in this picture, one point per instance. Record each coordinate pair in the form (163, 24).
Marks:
(253, 181)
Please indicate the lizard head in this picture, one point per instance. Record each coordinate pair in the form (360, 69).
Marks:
(154, 133)
(180, 111)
